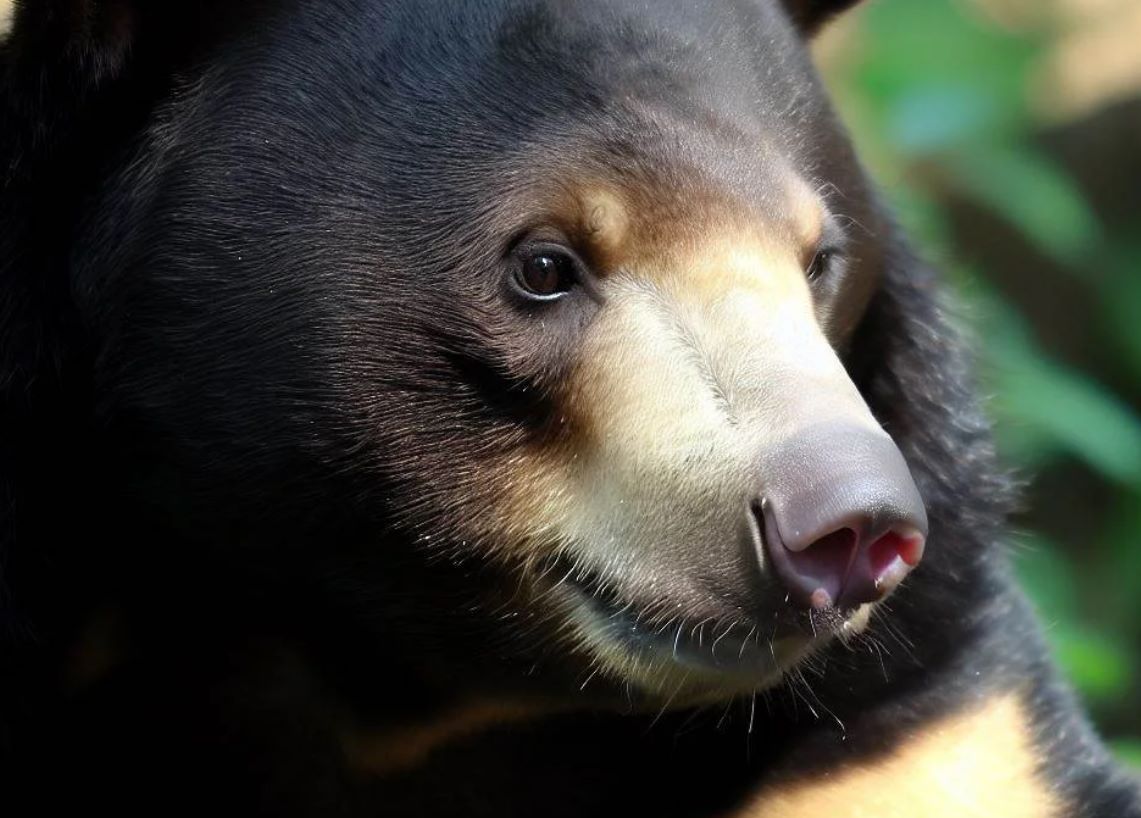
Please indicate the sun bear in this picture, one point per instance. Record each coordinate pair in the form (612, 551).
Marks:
(500, 407)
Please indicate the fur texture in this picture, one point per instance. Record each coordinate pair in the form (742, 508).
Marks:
(257, 402)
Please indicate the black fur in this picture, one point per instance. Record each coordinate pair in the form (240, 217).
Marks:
(245, 348)
(810, 15)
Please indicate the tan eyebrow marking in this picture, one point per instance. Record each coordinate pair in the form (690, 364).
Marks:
(603, 225)
(806, 214)
(644, 222)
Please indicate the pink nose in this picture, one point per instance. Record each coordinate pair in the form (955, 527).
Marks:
(841, 518)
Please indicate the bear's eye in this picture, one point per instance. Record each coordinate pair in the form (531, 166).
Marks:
(545, 272)
(821, 262)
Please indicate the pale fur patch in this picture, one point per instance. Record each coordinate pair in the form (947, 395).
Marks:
(5, 18)
(980, 763)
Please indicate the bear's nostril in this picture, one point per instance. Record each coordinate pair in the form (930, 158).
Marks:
(825, 563)
(882, 565)
(883, 552)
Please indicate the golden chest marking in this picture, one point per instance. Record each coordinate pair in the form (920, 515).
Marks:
(979, 764)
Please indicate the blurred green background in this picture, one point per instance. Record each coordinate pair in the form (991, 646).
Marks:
(1008, 135)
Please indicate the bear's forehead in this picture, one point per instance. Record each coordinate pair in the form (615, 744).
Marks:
(500, 114)
(509, 70)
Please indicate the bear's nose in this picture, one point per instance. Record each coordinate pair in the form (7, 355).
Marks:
(842, 521)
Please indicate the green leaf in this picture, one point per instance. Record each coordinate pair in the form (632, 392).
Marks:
(935, 118)
(1044, 407)
(1116, 579)
(1049, 407)
(920, 44)
(1074, 412)
(1048, 577)
(1121, 303)
(1034, 194)
(1097, 664)
(1128, 750)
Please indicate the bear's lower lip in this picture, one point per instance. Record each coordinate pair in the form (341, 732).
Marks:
(725, 646)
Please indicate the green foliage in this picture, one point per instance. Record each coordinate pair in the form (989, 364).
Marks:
(1128, 750)
(1049, 410)
(938, 100)
(1047, 207)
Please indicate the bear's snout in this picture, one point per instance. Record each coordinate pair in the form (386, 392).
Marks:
(839, 516)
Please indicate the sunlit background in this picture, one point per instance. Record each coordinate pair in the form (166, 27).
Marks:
(1007, 133)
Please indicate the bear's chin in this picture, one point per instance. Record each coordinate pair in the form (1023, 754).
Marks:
(670, 663)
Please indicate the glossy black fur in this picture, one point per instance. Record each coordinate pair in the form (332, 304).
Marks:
(219, 471)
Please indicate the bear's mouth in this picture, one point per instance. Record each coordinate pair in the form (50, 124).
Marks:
(734, 652)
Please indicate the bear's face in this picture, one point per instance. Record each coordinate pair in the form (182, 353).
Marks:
(561, 292)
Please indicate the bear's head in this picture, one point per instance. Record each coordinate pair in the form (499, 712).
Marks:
(523, 336)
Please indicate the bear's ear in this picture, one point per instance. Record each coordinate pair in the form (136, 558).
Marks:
(811, 15)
